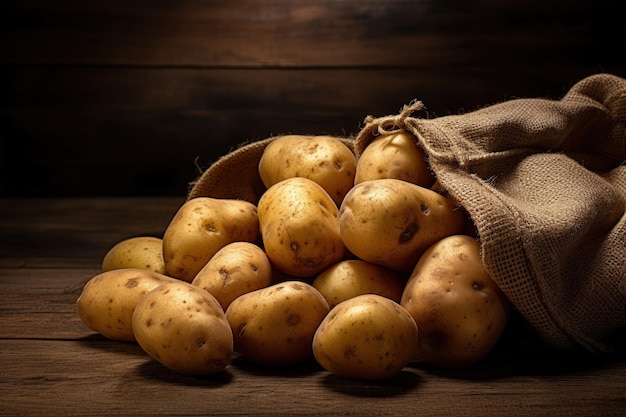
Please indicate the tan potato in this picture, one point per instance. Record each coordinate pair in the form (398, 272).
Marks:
(391, 222)
(349, 278)
(200, 228)
(142, 252)
(275, 325)
(459, 310)
(107, 301)
(184, 328)
(323, 159)
(394, 155)
(366, 337)
(299, 227)
(236, 269)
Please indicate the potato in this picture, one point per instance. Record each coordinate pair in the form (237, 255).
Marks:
(366, 337)
(459, 310)
(184, 328)
(394, 155)
(107, 301)
(391, 222)
(323, 159)
(200, 228)
(349, 278)
(143, 252)
(275, 325)
(299, 227)
(236, 269)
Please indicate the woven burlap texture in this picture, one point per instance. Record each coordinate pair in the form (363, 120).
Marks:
(545, 183)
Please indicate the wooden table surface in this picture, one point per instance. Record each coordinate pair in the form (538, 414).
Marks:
(51, 364)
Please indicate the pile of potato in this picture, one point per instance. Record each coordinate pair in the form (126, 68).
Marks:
(359, 264)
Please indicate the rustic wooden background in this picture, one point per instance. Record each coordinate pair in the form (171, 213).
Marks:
(136, 97)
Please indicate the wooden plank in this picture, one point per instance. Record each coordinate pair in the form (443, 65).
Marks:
(127, 131)
(63, 233)
(98, 378)
(422, 33)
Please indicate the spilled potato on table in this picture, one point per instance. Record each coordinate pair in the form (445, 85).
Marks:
(313, 270)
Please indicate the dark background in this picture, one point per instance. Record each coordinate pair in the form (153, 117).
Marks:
(120, 98)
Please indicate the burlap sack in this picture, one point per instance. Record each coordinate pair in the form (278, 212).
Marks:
(545, 183)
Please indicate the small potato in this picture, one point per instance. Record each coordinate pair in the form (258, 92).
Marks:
(184, 328)
(323, 159)
(143, 252)
(349, 278)
(236, 269)
(391, 222)
(395, 155)
(299, 227)
(275, 325)
(366, 337)
(459, 310)
(108, 300)
(200, 228)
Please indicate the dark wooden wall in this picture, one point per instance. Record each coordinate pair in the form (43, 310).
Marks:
(134, 97)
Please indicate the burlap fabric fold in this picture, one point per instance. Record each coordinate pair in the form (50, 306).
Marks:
(545, 183)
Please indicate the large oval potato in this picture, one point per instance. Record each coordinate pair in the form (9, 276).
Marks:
(200, 228)
(352, 277)
(366, 337)
(275, 325)
(299, 227)
(143, 252)
(391, 222)
(459, 310)
(236, 269)
(107, 301)
(323, 159)
(184, 328)
(394, 155)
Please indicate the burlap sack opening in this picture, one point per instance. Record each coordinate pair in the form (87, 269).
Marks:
(236, 175)
(545, 183)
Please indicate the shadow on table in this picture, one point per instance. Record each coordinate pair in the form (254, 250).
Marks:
(405, 381)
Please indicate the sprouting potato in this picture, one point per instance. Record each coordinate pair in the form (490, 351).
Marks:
(200, 228)
(366, 337)
(391, 222)
(143, 252)
(299, 227)
(184, 328)
(107, 301)
(459, 310)
(323, 159)
(394, 155)
(236, 269)
(275, 325)
(349, 278)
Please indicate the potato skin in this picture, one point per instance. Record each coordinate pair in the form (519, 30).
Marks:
(107, 301)
(366, 337)
(459, 310)
(352, 277)
(391, 222)
(142, 252)
(299, 227)
(394, 155)
(236, 269)
(200, 228)
(184, 328)
(275, 325)
(323, 159)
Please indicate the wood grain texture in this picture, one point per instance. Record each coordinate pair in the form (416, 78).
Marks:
(135, 99)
